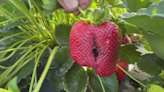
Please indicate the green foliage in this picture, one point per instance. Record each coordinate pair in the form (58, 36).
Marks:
(148, 64)
(153, 16)
(62, 32)
(63, 63)
(110, 83)
(153, 80)
(63, 60)
(75, 80)
(129, 53)
(156, 43)
(147, 47)
(134, 5)
(31, 29)
(27, 69)
(12, 86)
(56, 80)
(153, 9)
(154, 88)
(3, 90)
(131, 29)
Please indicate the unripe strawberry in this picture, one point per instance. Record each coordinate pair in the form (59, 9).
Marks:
(154, 88)
(96, 46)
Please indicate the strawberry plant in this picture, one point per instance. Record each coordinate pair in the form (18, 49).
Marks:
(39, 42)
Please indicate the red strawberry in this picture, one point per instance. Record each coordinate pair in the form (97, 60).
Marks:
(96, 46)
(120, 74)
(127, 40)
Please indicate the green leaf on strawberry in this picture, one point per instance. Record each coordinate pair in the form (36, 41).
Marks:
(55, 80)
(131, 28)
(129, 53)
(62, 63)
(62, 33)
(75, 80)
(155, 42)
(148, 64)
(27, 69)
(110, 83)
(63, 60)
(133, 6)
(148, 48)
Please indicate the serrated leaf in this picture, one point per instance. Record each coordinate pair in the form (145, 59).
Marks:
(134, 5)
(5, 42)
(148, 64)
(156, 43)
(63, 59)
(62, 32)
(55, 80)
(26, 70)
(110, 83)
(75, 80)
(152, 9)
(129, 53)
(144, 22)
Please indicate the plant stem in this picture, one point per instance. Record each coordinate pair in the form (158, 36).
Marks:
(45, 70)
(82, 12)
(131, 76)
(37, 58)
(101, 83)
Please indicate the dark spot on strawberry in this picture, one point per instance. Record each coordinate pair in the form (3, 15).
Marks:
(95, 49)
(95, 52)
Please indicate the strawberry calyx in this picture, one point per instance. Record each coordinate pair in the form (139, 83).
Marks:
(96, 17)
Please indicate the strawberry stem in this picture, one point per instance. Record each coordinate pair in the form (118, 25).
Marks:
(101, 83)
(131, 76)
(84, 16)
(82, 12)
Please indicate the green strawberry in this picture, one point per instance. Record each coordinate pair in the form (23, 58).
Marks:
(154, 88)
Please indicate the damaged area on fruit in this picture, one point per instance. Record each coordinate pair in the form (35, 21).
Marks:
(95, 49)
(95, 52)
(88, 46)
